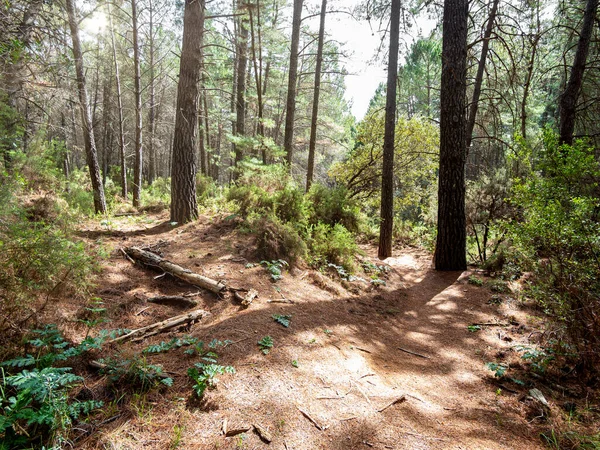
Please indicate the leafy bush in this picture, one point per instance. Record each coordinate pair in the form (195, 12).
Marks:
(333, 244)
(157, 195)
(332, 206)
(39, 259)
(135, 372)
(278, 241)
(35, 405)
(558, 237)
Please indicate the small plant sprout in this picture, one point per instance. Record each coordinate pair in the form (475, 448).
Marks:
(499, 369)
(282, 319)
(266, 344)
(295, 363)
(275, 268)
(475, 281)
(328, 332)
(473, 328)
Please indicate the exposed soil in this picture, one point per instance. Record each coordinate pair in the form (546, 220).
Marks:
(352, 342)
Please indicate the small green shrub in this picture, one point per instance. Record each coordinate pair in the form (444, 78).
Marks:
(333, 244)
(276, 240)
(283, 320)
(265, 344)
(333, 206)
(275, 268)
(135, 372)
(204, 374)
(35, 403)
(475, 281)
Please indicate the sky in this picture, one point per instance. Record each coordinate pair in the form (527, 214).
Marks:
(361, 45)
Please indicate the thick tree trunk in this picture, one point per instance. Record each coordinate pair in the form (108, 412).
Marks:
(184, 207)
(240, 104)
(480, 71)
(137, 165)
(119, 106)
(387, 178)
(315, 109)
(568, 100)
(450, 251)
(86, 114)
(152, 99)
(290, 108)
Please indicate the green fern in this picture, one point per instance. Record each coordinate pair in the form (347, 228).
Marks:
(281, 319)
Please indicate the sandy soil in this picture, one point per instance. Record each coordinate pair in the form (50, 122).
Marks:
(358, 348)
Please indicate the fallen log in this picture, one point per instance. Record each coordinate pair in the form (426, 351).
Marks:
(173, 300)
(161, 327)
(152, 260)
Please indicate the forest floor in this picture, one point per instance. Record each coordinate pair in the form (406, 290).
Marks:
(351, 343)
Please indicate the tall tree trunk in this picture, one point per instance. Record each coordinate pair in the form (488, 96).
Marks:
(240, 104)
(290, 108)
(568, 100)
(202, 113)
(152, 99)
(86, 114)
(184, 207)
(258, 78)
(206, 123)
(387, 178)
(106, 130)
(317, 90)
(119, 107)
(450, 250)
(137, 165)
(480, 71)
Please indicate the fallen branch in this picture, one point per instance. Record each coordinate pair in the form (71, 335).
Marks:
(161, 327)
(412, 353)
(153, 260)
(491, 324)
(236, 431)
(313, 421)
(263, 433)
(400, 399)
(173, 300)
(247, 299)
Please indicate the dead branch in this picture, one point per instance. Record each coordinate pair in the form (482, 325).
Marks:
(313, 421)
(247, 299)
(263, 433)
(161, 327)
(412, 353)
(152, 260)
(400, 399)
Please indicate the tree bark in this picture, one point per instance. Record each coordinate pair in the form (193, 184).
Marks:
(137, 165)
(152, 99)
(315, 109)
(119, 106)
(184, 207)
(450, 251)
(480, 70)
(258, 77)
(387, 177)
(568, 100)
(240, 104)
(86, 114)
(290, 109)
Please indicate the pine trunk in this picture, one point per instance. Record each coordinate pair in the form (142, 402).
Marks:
(387, 178)
(290, 108)
(568, 100)
(137, 165)
(86, 114)
(450, 251)
(184, 207)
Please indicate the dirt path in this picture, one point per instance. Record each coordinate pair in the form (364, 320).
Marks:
(346, 345)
